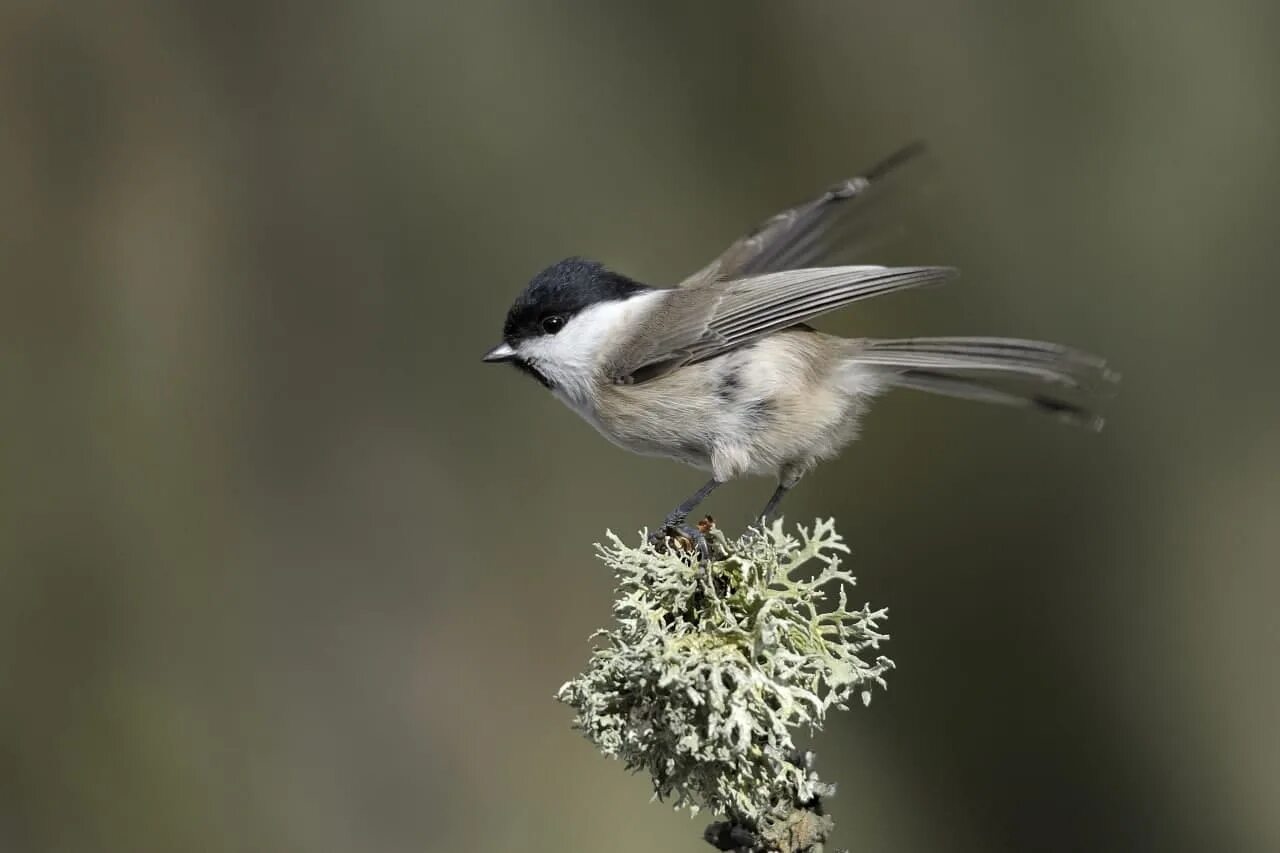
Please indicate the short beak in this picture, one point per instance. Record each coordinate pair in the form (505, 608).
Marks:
(502, 352)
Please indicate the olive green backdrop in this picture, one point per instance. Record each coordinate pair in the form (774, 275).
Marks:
(283, 566)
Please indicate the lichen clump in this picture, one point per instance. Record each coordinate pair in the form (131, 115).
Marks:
(709, 669)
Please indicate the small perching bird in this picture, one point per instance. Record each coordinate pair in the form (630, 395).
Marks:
(721, 372)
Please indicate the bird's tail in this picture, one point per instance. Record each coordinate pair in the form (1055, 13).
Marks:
(1027, 374)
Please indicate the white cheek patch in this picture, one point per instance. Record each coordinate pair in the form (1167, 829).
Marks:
(571, 358)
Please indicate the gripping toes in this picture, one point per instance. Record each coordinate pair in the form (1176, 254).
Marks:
(687, 538)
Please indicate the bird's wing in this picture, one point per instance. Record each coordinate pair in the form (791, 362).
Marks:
(816, 232)
(690, 325)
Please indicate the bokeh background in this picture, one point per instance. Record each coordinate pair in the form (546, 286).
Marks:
(283, 566)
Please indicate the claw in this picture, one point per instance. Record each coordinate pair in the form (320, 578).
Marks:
(697, 541)
(688, 539)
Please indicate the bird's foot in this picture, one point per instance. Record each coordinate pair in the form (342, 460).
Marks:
(684, 538)
(689, 539)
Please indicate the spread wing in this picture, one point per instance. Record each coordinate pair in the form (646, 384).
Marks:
(694, 324)
(810, 234)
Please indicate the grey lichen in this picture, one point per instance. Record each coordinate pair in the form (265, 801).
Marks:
(709, 669)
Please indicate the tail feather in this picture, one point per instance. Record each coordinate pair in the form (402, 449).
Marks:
(994, 370)
(1065, 410)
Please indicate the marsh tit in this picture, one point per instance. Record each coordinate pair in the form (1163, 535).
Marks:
(722, 371)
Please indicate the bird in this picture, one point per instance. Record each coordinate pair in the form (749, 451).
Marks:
(724, 372)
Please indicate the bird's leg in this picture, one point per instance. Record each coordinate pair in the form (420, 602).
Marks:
(788, 476)
(769, 508)
(677, 516)
(675, 519)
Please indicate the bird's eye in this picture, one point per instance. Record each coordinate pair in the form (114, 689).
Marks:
(552, 324)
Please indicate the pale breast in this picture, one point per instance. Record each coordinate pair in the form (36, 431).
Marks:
(672, 416)
(756, 410)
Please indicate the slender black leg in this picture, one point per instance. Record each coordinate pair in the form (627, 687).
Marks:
(676, 518)
(772, 505)
(680, 513)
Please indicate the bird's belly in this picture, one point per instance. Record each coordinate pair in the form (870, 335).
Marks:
(670, 432)
(659, 418)
(731, 415)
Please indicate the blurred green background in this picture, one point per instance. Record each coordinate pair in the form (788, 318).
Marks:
(283, 566)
